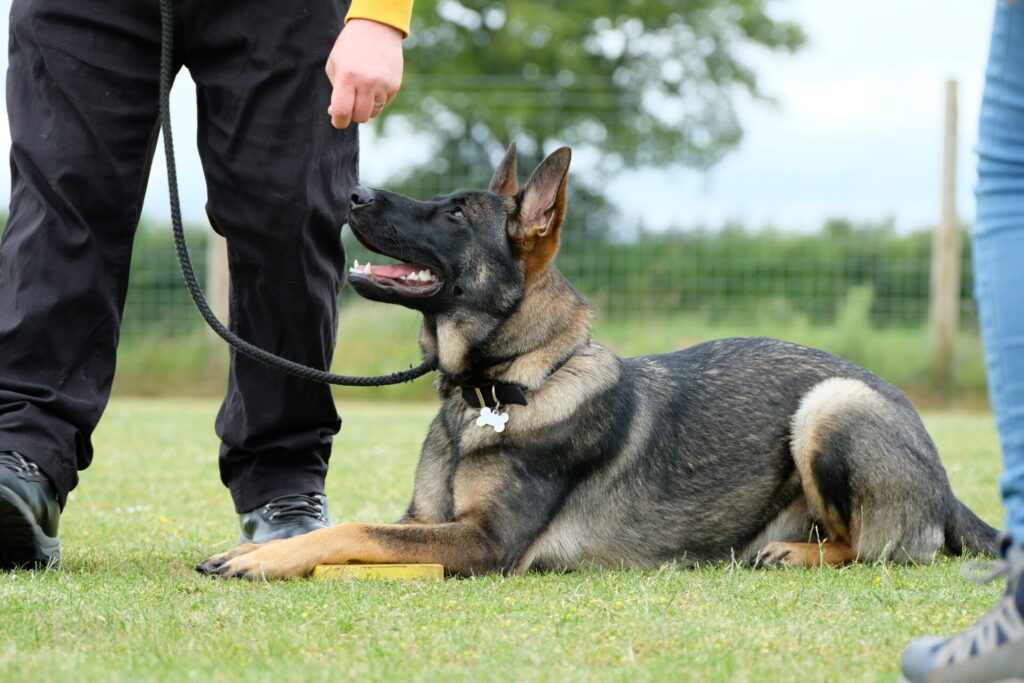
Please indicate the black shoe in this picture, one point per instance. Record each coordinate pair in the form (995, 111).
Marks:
(284, 517)
(29, 513)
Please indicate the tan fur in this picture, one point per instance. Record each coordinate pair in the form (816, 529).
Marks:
(504, 179)
(542, 211)
(539, 251)
(793, 522)
(460, 546)
(455, 545)
(591, 371)
(559, 545)
(806, 554)
(586, 532)
(472, 438)
(813, 422)
(428, 344)
(431, 476)
(475, 484)
(573, 324)
(452, 346)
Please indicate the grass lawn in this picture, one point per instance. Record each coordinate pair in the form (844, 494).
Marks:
(127, 605)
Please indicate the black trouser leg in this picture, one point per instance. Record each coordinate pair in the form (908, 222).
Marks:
(82, 104)
(278, 176)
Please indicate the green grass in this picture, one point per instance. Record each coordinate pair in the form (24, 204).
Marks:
(126, 604)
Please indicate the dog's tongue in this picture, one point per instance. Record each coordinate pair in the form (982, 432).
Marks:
(395, 270)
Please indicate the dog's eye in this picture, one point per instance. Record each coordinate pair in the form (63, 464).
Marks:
(456, 212)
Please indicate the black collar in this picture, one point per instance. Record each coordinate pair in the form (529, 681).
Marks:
(493, 395)
(502, 393)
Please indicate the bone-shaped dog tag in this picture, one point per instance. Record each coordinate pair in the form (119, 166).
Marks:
(494, 420)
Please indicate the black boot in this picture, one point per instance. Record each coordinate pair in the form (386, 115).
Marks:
(284, 517)
(29, 514)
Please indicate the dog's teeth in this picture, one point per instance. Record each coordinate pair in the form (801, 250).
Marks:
(355, 265)
(411, 276)
(427, 275)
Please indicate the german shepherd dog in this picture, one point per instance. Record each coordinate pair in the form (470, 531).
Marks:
(551, 452)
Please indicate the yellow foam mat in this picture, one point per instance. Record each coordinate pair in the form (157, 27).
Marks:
(343, 572)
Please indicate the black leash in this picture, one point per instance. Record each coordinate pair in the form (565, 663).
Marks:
(242, 346)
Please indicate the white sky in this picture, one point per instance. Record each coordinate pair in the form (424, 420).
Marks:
(856, 133)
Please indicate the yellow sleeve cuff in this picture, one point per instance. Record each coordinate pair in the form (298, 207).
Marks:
(394, 13)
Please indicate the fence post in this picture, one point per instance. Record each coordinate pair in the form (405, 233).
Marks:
(217, 277)
(945, 275)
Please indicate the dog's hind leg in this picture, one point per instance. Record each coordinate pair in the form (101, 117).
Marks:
(870, 473)
(796, 539)
(781, 554)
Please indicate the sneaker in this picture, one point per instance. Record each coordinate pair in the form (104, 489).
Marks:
(29, 513)
(990, 650)
(284, 517)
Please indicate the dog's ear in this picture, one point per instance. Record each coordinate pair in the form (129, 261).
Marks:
(504, 180)
(535, 228)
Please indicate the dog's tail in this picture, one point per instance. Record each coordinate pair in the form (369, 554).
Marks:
(966, 532)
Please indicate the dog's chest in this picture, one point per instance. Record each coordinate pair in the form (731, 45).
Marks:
(476, 432)
(579, 538)
(484, 429)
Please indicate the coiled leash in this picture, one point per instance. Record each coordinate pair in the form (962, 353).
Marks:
(242, 346)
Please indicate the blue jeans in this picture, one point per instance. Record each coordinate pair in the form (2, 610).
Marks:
(998, 248)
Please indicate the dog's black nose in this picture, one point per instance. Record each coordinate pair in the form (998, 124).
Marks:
(361, 196)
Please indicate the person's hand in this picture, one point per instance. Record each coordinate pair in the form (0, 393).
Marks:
(365, 68)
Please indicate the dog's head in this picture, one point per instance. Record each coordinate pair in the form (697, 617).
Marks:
(471, 250)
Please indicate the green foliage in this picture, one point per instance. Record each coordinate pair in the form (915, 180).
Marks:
(735, 272)
(731, 273)
(641, 83)
(675, 67)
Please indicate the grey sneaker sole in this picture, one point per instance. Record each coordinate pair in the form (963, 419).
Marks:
(23, 544)
(904, 679)
(1005, 665)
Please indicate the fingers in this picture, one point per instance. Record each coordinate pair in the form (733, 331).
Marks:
(363, 108)
(353, 100)
(365, 69)
(342, 103)
(342, 95)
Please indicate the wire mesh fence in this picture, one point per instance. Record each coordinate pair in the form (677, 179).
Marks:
(718, 275)
(452, 133)
(158, 304)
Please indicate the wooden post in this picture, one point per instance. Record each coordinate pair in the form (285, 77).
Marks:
(217, 278)
(945, 275)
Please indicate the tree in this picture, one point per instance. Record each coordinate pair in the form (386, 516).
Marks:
(626, 84)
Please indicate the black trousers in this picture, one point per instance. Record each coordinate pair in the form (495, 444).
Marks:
(82, 102)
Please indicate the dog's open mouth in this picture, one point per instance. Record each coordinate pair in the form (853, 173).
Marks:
(412, 279)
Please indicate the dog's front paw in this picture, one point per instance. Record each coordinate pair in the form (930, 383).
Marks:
(260, 562)
(211, 564)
